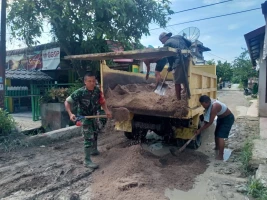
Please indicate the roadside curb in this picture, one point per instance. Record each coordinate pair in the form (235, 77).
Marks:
(52, 136)
(259, 153)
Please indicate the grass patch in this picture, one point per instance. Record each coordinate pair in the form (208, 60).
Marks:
(256, 189)
(11, 143)
(245, 156)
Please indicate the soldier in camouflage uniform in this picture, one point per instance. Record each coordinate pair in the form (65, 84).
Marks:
(88, 98)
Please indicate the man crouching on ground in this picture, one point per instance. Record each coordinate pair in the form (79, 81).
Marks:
(88, 99)
(224, 122)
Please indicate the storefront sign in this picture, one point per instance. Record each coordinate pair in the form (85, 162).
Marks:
(28, 62)
(51, 58)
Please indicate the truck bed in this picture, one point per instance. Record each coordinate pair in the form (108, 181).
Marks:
(141, 99)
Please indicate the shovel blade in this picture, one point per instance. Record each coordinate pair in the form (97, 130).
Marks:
(161, 89)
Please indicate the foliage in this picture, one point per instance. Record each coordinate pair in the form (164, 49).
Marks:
(84, 26)
(242, 69)
(241, 86)
(224, 71)
(11, 143)
(59, 95)
(246, 155)
(7, 123)
(55, 95)
(255, 88)
(74, 87)
(256, 189)
(211, 62)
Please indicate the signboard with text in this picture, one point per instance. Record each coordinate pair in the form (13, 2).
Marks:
(51, 58)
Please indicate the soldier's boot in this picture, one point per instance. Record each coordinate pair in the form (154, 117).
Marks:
(95, 151)
(87, 160)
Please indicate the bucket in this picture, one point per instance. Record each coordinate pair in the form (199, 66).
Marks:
(135, 68)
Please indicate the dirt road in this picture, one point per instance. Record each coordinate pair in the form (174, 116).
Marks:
(127, 172)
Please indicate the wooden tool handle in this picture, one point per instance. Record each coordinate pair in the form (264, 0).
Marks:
(164, 80)
(187, 143)
(95, 116)
(165, 76)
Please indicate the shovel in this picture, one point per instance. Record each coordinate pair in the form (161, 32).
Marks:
(119, 114)
(173, 150)
(161, 88)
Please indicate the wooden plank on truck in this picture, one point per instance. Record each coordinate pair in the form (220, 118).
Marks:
(140, 54)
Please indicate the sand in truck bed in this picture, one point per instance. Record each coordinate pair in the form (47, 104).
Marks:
(141, 99)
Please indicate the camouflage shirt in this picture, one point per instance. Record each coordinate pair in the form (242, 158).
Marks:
(88, 101)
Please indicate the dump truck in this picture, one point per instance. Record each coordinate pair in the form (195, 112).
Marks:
(149, 111)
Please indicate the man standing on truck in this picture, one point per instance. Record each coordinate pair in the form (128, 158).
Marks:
(88, 98)
(225, 121)
(176, 62)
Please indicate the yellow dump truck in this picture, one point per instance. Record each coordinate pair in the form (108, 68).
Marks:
(202, 80)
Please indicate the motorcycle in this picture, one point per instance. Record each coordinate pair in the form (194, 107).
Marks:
(247, 91)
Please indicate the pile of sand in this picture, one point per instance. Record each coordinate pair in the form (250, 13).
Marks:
(131, 173)
(141, 99)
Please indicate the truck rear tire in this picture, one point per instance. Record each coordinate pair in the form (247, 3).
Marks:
(136, 134)
(195, 144)
(129, 135)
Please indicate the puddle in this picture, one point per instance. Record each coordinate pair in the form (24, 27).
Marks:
(227, 154)
(199, 191)
(178, 194)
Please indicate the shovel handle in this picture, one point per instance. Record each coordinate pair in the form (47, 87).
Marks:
(165, 76)
(164, 79)
(187, 143)
(95, 116)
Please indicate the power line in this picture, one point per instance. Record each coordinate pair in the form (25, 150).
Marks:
(234, 13)
(201, 7)
(216, 56)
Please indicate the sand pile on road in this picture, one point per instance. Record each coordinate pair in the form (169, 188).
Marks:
(141, 99)
(131, 173)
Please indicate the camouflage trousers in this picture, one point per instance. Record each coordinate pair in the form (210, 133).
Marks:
(90, 132)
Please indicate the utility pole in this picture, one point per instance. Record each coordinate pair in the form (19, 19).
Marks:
(2, 53)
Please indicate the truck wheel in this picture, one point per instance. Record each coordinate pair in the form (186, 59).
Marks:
(197, 142)
(136, 134)
(180, 142)
(129, 135)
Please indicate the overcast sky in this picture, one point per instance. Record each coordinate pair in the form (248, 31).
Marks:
(224, 36)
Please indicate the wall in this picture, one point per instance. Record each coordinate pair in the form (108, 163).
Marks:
(54, 116)
(262, 88)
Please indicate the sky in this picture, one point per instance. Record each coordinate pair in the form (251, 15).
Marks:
(224, 36)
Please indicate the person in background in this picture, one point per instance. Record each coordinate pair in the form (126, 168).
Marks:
(225, 121)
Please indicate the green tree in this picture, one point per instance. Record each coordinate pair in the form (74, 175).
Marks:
(243, 69)
(211, 62)
(224, 71)
(82, 26)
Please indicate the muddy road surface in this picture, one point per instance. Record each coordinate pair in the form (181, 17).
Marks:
(127, 171)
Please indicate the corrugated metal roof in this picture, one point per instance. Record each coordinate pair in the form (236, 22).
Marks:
(254, 40)
(27, 75)
(31, 49)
